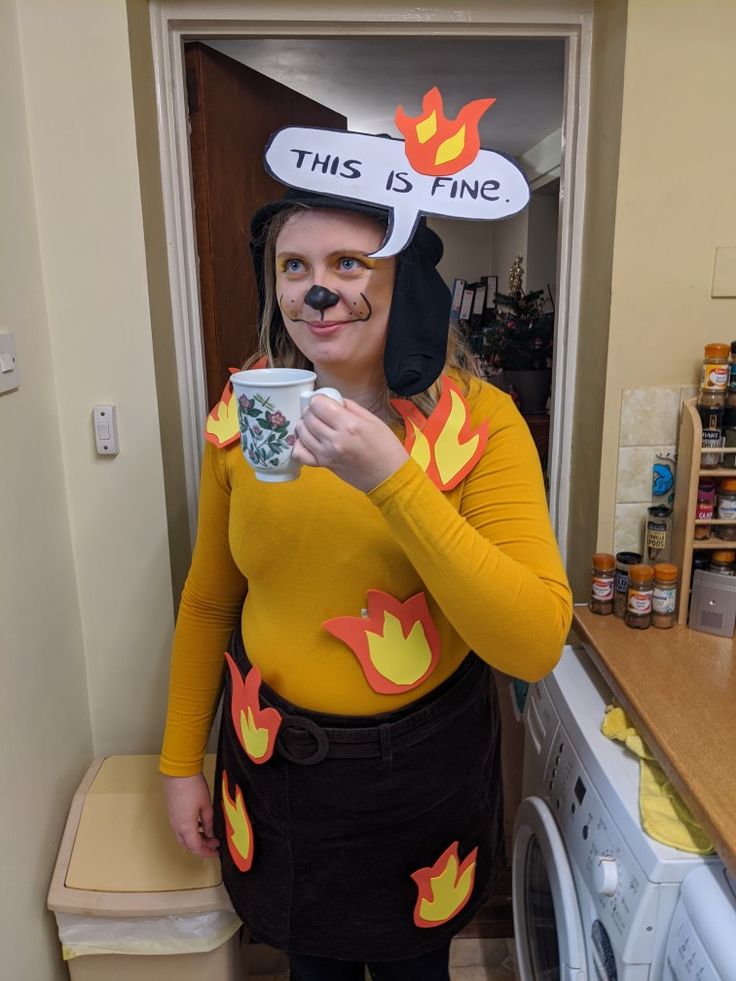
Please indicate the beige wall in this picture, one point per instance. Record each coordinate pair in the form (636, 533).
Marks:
(77, 77)
(467, 249)
(675, 204)
(46, 734)
(541, 260)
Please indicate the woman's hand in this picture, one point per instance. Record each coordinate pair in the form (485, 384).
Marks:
(190, 814)
(349, 440)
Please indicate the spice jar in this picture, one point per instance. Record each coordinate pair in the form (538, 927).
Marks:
(711, 422)
(714, 376)
(723, 561)
(729, 436)
(621, 581)
(664, 595)
(704, 506)
(657, 537)
(601, 589)
(639, 598)
(731, 390)
(727, 508)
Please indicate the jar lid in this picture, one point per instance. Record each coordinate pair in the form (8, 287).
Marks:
(659, 511)
(706, 484)
(665, 571)
(727, 484)
(628, 558)
(723, 555)
(604, 561)
(717, 350)
(641, 573)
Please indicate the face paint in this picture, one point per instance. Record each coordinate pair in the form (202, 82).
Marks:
(328, 250)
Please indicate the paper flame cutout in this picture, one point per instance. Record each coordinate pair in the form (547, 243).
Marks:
(444, 888)
(445, 446)
(256, 728)
(438, 146)
(222, 422)
(397, 644)
(221, 427)
(237, 826)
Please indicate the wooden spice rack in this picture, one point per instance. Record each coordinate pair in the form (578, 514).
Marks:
(689, 472)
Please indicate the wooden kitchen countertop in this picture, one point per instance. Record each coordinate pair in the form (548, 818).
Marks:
(678, 686)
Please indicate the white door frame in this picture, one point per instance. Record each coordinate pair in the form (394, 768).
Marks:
(175, 21)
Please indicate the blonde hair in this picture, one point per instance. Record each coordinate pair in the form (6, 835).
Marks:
(285, 354)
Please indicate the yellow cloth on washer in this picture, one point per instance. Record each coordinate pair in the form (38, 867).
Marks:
(662, 811)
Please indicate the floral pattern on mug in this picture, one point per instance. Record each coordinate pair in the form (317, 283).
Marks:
(263, 431)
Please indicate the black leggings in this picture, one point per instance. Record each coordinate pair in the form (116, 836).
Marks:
(428, 967)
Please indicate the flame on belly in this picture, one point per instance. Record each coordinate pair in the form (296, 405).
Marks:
(396, 643)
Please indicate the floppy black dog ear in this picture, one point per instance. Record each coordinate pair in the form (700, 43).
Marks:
(419, 321)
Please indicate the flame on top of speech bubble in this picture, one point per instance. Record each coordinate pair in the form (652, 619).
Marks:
(438, 146)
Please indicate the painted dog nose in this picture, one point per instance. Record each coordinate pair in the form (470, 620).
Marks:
(319, 298)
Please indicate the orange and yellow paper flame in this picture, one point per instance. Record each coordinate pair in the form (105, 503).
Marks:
(221, 427)
(445, 445)
(238, 827)
(222, 422)
(397, 644)
(257, 728)
(444, 888)
(438, 146)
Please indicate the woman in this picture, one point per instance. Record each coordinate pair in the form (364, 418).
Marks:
(359, 592)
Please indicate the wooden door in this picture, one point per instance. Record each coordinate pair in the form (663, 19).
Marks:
(232, 111)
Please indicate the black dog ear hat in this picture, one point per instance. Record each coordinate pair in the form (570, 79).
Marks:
(419, 320)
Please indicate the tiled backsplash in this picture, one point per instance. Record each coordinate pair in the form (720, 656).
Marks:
(649, 424)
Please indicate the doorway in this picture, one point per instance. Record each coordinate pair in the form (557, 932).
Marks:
(174, 25)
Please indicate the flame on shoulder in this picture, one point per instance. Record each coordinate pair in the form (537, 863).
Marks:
(222, 422)
(445, 445)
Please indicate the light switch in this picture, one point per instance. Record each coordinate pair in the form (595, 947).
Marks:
(9, 373)
(105, 420)
(724, 271)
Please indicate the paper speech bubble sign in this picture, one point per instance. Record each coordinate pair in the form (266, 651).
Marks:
(375, 170)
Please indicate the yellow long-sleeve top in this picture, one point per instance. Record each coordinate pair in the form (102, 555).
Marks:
(285, 558)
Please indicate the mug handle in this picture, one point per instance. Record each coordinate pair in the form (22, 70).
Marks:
(331, 393)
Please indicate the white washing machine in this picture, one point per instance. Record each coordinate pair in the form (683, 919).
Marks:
(701, 945)
(593, 895)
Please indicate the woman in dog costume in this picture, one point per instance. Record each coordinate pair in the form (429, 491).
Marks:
(357, 799)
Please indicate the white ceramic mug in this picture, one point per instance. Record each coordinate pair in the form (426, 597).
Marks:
(270, 403)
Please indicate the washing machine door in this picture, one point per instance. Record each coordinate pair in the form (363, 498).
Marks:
(547, 924)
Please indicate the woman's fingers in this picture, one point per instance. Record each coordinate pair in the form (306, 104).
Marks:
(198, 845)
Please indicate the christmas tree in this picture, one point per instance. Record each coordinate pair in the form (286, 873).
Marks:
(521, 336)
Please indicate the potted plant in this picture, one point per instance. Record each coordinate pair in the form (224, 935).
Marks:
(520, 339)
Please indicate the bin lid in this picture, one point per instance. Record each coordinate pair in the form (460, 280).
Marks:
(124, 842)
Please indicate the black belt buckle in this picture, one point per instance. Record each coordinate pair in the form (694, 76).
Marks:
(289, 743)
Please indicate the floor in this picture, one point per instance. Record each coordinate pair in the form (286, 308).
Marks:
(471, 959)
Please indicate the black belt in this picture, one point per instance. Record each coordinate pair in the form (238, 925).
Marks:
(307, 737)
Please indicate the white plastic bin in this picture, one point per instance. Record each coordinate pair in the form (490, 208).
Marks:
(130, 902)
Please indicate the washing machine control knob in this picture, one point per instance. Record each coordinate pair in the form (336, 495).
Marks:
(605, 875)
